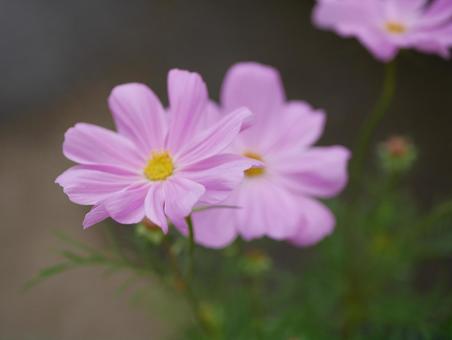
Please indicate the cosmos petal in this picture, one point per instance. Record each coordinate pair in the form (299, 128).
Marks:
(139, 115)
(97, 214)
(316, 223)
(154, 206)
(214, 228)
(89, 144)
(219, 174)
(127, 206)
(188, 98)
(319, 171)
(216, 138)
(181, 195)
(87, 185)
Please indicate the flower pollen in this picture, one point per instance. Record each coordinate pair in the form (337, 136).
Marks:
(254, 171)
(159, 167)
(394, 27)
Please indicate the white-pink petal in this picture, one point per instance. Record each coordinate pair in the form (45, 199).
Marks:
(215, 228)
(127, 206)
(87, 185)
(219, 174)
(267, 209)
(181, 195)
(95, 215)
(316, 223)
(154, 206)
(298, 126)
(89, 144)
(318, 171)
(214, 139)
(187, 98)
(139, 116)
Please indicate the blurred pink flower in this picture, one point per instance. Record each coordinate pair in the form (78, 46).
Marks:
(386, 26)
(275, 200)
(158, 165)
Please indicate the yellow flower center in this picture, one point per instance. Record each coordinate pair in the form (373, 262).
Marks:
(159, 167)
(254, 171)
(395, 27)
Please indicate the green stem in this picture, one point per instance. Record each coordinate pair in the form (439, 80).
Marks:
(436, 215)
(373, 121)
(191, 247)
(187, 288)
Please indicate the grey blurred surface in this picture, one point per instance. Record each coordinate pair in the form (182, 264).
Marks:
(58, 63)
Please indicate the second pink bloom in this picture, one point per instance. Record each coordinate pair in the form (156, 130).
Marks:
(279, 199)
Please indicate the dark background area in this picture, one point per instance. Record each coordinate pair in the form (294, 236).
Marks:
(60, 59)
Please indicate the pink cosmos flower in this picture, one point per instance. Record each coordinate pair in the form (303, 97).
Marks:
(160, 163)
(276, 200)
(386, 26)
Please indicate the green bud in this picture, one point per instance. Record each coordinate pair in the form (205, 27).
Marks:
(397, 154)
(255, 262)
(150, 232)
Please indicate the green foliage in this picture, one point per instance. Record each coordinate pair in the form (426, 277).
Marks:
(370, 280)
(383, 274)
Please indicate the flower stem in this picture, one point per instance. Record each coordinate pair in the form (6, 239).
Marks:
(191, 247)
(187, 287)
(373, 121)
(439, 212)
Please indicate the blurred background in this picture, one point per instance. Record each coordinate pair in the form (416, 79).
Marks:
(60, 59)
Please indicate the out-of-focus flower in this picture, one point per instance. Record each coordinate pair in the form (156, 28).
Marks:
(386, 26)
(397, 154)
(275, 200)
(158, 165)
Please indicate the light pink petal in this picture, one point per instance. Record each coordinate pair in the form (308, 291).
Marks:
(139, 116)
(316, 223)
(211, 115)
(219, 174)
(345, 15)
(255, 86)
(154, 206)
(89, 144)
(405, 10)
(380, 47)
(259, 88)
(95, 215)
(267, 209)
(410, 5)
(251, 217)
(127, 206)
(299, 126)
(319, 171)
(439, 12)
(214, 139)
(439, 46)
(180, 196)
(188, 99)
(359, 19)
(214, 228)
(87, 185)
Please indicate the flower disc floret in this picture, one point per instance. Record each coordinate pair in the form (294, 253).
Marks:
(159, 167)
(254, 171)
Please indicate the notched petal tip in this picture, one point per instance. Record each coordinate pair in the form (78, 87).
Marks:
(126, 87)
(182, 81)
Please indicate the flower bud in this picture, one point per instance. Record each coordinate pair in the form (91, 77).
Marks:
(397, 154)
(255, 262)
(150, 232)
